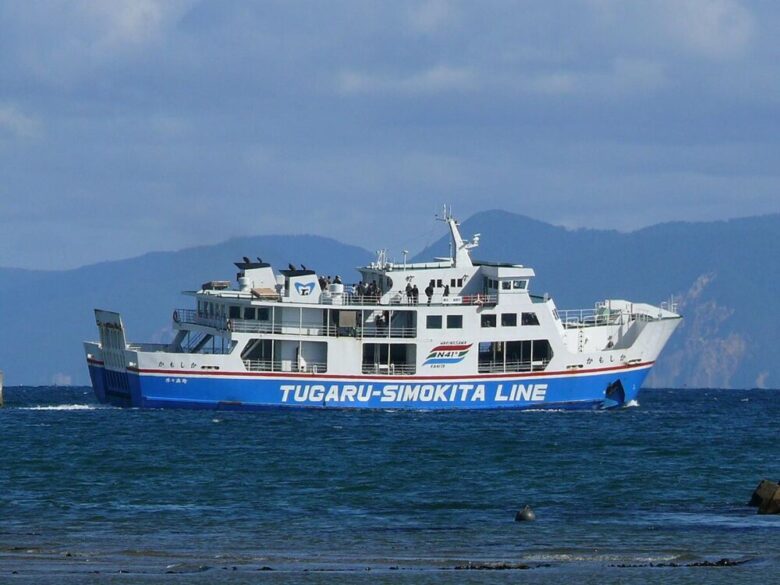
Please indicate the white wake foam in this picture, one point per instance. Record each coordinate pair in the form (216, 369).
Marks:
(61, 407)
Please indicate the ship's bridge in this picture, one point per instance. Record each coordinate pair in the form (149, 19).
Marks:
(455, 279)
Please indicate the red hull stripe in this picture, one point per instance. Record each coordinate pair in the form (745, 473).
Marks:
(217, 373)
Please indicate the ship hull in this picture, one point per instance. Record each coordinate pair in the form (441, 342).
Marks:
(602, 388)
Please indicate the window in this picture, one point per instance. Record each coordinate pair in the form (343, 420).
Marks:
(529, 355)
(488, 320)
(235, 312)
(506, 285)
(460, 283)
(454, 321)
(433, 321)
(519, 284)
(439, 284)
(249, 312)
(508, 319)
(262, 314)
(529, 319)
(452, 282)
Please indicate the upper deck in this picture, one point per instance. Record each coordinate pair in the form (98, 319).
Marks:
(455, 280)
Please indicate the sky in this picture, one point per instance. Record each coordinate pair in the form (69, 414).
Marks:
(128, 126)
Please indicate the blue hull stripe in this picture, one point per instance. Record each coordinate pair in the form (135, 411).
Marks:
(158, 390)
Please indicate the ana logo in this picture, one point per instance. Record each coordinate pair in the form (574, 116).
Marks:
(447, 354)
(304, 289)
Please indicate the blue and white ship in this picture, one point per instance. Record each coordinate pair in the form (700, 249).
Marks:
(473, 337)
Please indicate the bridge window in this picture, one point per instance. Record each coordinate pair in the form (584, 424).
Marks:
(520, 284)
(249, 312)
(506, 285)
(454, 321)
(508, 319)
(433, 321)
(529, 319)
(488, 320)
(235, 312)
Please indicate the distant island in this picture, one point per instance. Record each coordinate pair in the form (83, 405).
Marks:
(722, 274)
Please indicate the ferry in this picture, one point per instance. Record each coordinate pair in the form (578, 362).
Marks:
(453, 333)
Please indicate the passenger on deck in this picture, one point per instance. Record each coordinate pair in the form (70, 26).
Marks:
(337, 280)
(409, 293)
(372, 293)
(415, 294)
(429, 293)
(446, 290)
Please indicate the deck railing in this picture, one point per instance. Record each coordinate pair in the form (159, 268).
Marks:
(500, 367)
(285, 366)
(389, 369)
(267, 327)
(400, 299)
(592, 317)
(382, 331)
(191, 316)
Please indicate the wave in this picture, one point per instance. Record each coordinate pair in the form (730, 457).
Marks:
(62, 407)
(594, 557)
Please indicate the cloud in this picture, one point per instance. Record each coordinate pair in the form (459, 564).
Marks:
(430, 16)
(61, 40)
(621, 77)
(434, 80)
(159, 110)
(121, 23)
(18, 124)
(712, 28)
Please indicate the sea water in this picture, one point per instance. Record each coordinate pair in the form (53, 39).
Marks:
(101, 494)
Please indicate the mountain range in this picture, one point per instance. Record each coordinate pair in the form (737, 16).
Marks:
(723, 275)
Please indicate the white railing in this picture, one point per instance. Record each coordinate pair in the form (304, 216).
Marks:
(266, 327)
(381, 331)
(389, 369)
(191, 316)
(399, 298)
(574, 318)
(248, 326)
(285, 366)
(496, 367)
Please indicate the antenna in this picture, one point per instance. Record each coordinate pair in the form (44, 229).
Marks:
(405, 253)
(446, 213)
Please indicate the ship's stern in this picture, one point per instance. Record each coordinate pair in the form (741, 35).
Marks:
(108, 363)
